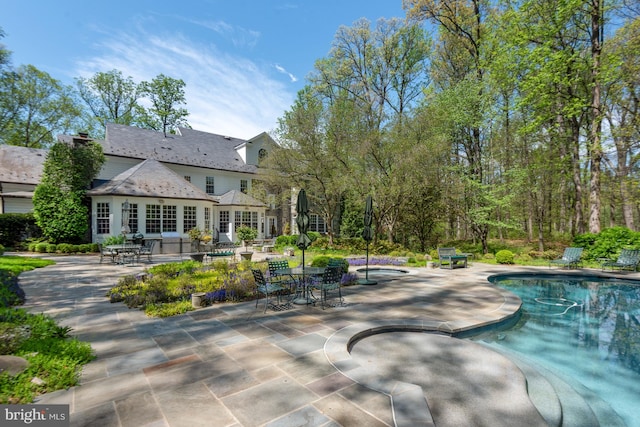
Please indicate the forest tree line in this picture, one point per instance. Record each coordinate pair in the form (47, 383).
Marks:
(471, 120)
(35, 107)
(466, 120)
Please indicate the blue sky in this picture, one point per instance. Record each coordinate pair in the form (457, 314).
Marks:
(243, 61)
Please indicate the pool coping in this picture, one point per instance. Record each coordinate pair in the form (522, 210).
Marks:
(408, 403)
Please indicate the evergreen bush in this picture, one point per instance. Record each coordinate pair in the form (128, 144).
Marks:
(505, 256)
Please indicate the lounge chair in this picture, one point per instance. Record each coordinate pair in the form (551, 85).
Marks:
(449, 257)
(628, 260)
(570, 258)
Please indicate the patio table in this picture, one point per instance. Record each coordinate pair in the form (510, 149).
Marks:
(302, 276)
(125, 251)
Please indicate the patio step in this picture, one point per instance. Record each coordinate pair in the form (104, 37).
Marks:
(561, 401)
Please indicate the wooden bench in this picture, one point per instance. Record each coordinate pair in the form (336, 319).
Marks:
(449, 257)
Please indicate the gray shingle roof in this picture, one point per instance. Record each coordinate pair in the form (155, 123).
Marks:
(189, 147)
(238, 198)
(21, 165)
(151, 179)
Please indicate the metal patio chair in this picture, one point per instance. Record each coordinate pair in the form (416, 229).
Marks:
(269, 290)
(331, 279)
(628, 260)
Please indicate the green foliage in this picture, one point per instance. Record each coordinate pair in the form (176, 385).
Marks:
(18, 264)
(323, 261)
(246, 234)
(35, 107)
(607, 243)
(10, 291)
(114, 240)
(111, 97)
(52, 355)
(505, 257)
(167, 288)
(165, 94)
(14, 227)
(286, 240)
(58, 200)
(168, 309)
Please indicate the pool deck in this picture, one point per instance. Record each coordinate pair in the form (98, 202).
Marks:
(233, 365)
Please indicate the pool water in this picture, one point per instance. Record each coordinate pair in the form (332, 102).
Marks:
(587, 328)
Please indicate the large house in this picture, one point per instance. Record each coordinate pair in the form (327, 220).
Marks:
(165, 186)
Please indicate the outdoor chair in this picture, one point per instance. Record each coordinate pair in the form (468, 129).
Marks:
(147, 249)
(275, 273)
(628, 260)
(106, 253)
(331, 279)
(570, 258)
(269, 290)
(452, 259)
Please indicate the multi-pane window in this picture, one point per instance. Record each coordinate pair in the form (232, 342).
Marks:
(246, 219)
(102, 218)
(316, 223)
(153, 220)
(244, 185)
(223, 226)
(207, 219)
(169, 218)
(210, 187)
(190, 219)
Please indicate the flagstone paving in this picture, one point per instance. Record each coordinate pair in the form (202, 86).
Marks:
(233, 365)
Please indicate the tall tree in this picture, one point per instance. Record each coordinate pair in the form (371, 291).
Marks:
(111, 97)
(58, 201)
(166, 94)
(622, 63)
(459, 69)
(5, 54)
(34, 107)
(376, 73)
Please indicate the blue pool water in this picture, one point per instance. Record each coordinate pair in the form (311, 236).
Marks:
(588, 328)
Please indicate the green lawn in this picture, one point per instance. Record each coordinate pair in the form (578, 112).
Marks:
(55, 358)
(18, 264)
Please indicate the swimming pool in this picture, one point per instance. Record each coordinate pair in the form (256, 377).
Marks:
(587, 328)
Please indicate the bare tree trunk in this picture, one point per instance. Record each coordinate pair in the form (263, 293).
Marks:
(596, 123)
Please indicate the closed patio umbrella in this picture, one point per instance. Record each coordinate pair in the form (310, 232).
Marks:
(367, 235)
(302, 221)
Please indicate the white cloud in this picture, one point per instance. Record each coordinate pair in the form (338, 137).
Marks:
(239, 36)
(284, 71)
(226, 94)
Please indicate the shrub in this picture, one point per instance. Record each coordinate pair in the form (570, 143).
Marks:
(114, 240)
(504, 256)
(41, 247)
(168, 309)
(10, 291)
(607, 243)
(286, 240)
(1, 250)
(65, 248)
(11, 337)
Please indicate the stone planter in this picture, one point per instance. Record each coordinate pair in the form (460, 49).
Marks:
(197, 298)
(246, 255)
(197, 257)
